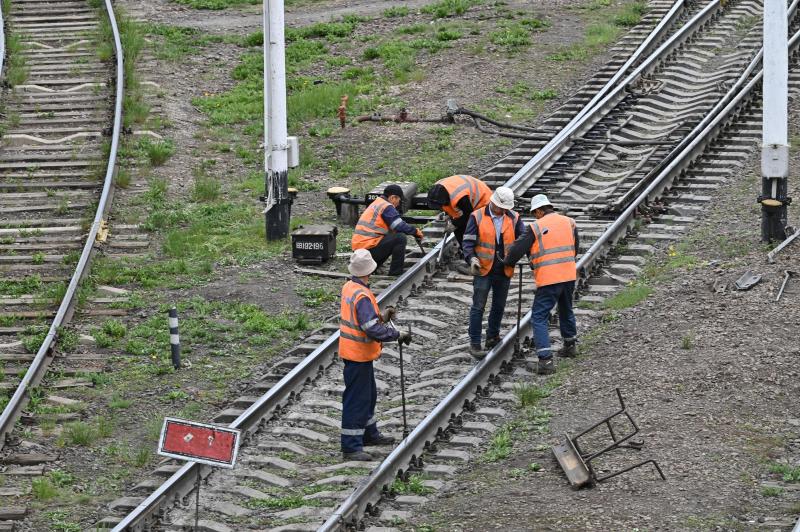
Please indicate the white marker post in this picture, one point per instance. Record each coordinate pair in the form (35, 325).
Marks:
(276, 143)
(775, 143)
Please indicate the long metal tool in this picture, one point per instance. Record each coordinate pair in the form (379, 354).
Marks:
(402, 380)
(519, 310)
(787, 275)
(442, 245)
(771, 254)
(422, 249)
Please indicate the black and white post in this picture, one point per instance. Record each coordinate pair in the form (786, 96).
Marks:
(174, 338)
(276, 142)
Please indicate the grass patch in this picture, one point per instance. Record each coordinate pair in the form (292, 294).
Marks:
(415, 485)
(396, 11)
(215, 5)
(16, 69)
(176, 42)
(631, 295)
(515, 35)
(771, 491)
(500, 446)
(449, 8)
(631, 14)
(788, 473)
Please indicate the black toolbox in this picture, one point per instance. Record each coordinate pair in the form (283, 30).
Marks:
(314, 243)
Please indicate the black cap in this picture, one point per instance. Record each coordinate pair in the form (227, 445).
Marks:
(393, 190)
(438, 196)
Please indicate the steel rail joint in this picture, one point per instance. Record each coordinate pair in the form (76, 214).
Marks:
(39, 364)
(182, 481)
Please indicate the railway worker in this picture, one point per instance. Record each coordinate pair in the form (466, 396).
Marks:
(458, 196)
(551, 242)
(362, 331)
(383, 232)
(489, 233)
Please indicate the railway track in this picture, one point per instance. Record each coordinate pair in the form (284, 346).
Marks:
(654, 142)
(61, 126)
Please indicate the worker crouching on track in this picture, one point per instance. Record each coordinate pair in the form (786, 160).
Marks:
(552, 244)
(362, 331)
(383, 232)
(490, 233)
(458, 196)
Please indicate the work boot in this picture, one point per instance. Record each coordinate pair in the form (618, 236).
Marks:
(491, 342)
(380, 440)
(546, 366)
(476, 352)
(569, 350)
(357, 456)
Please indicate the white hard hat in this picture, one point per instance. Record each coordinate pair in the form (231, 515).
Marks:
(503, 197)
(361, 263)
(539, 201)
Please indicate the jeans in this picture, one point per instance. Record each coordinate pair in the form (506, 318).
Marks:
(546, 298)
(394, 245)
(481, 284)
(358, 406)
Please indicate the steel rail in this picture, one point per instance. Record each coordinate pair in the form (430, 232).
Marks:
(183, 480)
(65, 310)
(543, 158)
(2, 41)
(447, 411)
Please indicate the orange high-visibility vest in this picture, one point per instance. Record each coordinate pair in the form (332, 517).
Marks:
(354, 344)
(487, 237)
(459, 186)
(553, 250)
(371, 227)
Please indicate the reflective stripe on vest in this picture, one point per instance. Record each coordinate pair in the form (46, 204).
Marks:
(553, 250)
(458, 186)
(487, 239)
(354, 344)
(371, 227)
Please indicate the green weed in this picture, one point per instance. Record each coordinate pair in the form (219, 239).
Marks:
(787, 472)
(629, 296)
(500, 446)
(449, 8)
(43, 489)
(114, 328)
(206, 188)
(415, 485)
(215, 5)
(771, 491)
(396, 11)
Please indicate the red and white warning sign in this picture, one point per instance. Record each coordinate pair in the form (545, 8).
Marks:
(199, 442)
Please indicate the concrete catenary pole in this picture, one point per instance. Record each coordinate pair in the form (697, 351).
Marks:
(275, 133)
(775, 143)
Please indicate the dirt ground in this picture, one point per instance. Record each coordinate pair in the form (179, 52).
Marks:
(710, 376)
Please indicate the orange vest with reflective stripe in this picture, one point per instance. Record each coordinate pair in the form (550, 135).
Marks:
(371, 227)
(553, 250)
(354, 344)
(487, 239)
(459, 186)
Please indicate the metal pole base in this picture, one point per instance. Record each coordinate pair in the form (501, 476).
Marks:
(774, 201)
(278, 222)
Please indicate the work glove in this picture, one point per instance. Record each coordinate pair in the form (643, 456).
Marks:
(474, 266)
(404, 338)
(418, 235)
(388, 314)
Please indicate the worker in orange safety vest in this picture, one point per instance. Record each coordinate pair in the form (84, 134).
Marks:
(490, 233)
(551, 242)
(382, 231)
(458, 196)
(362, 331)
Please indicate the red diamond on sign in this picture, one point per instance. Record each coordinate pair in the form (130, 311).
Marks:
(199, 442)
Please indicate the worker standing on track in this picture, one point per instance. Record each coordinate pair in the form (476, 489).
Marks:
(552, 244)
(383, 232)
(458, 196)
(362, 331)
(490, 232)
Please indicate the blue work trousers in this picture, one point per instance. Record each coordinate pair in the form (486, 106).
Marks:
(481, 285)
(358, 406)
(546, 298)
